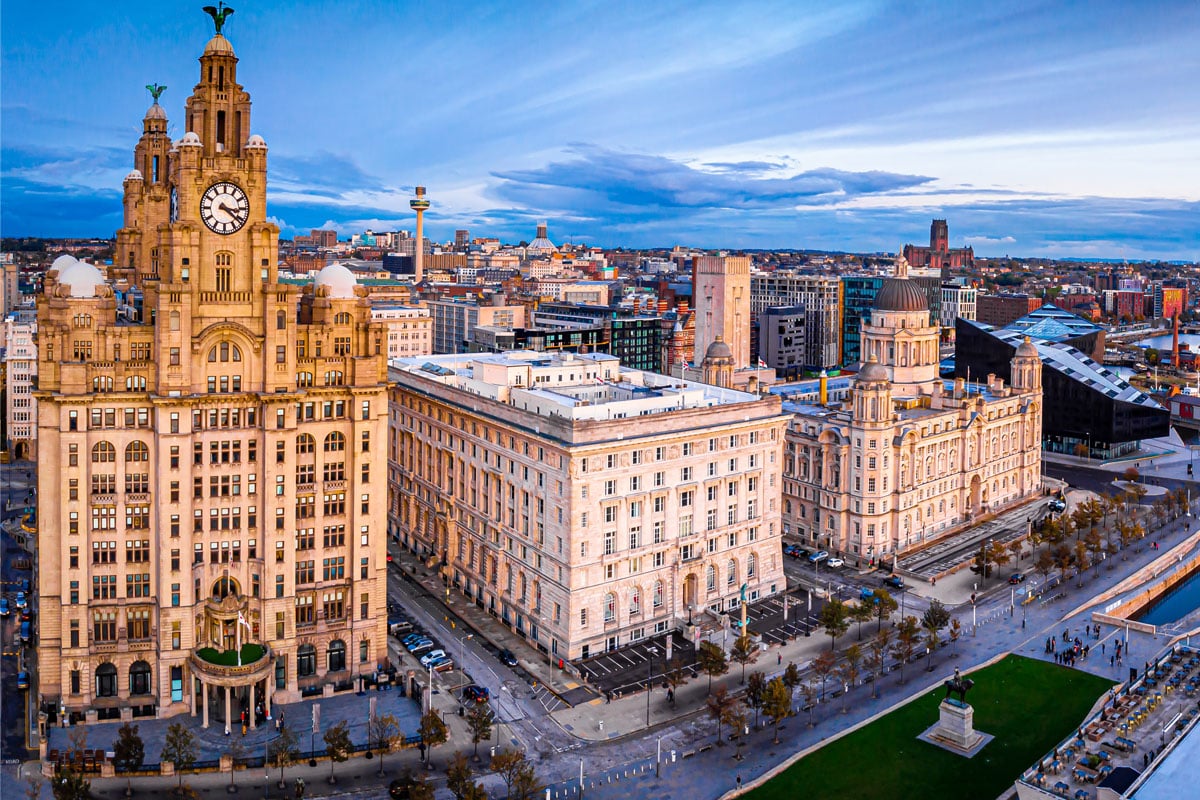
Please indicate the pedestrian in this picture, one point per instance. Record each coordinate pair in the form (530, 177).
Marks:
(778, 658)
(1102, 648)
(739, 782)
(1112, 660)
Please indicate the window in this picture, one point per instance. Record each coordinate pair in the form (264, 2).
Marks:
(104, 453)
(305, 571)
(334, 605)
(306, 660)
(610, 607)
(337, 655)
(106, 676)
(335, 442)
(104, 627)
(305, 615)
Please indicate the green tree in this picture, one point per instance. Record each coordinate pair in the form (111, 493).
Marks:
(719, 703)
(885, 606)
(433, 732)
(833, 620)
(479, 722)
(933, 620)
(860, 612)
(907, 634)
(337, 746)
(754, 693)
(777, 703)
(712, 662)
(791, 676)
(180, 749)
(742, 653)
(284, 750)
(129, 752)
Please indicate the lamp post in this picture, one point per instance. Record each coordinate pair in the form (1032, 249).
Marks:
(649, 686)
(462, 651)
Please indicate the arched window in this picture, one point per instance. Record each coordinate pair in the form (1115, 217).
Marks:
(137, 451)
(102, 383)
(139, 678)
(658, 594)
(710, 577)
(335, 442)
(104, 453)
(304, 379)
(305, 443)
(306, 661)
(334, 377)
(135, 383)
(731, 577)
(224, 587)
(751, 566)
(337, 655)
(610, 607)
(341, 318)
(635, 601)
(106, 680)
(225, 351)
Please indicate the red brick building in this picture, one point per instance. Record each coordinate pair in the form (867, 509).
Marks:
(938, 254)
(1002, 309)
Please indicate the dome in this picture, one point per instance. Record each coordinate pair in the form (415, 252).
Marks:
(218, 45)
(255, 142)
(135, 175)
(62, 262)
(872, 372)
(190, 139)
(718, 350)
(1026, 349)
(156, 112)
(900, 294)
(82, 277)
(337, 280)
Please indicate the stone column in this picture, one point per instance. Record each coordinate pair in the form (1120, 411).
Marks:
(204, 701)
(192, 696)
(228, 717)
(253, 721)
(267, 695)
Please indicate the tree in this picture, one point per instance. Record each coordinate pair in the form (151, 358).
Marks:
(792, 677)
(1131, 474)
(1044, 562)
(676, 676)
(990, 552)
(743, 653)
(850, 670)
(509, 765)
(777, 703)
(1014, 549)
(234, 749)
(433, 732)
(754, 693)
(861, 612)
(955, 634)
(479, 722)
(933, 620)
(907, 633)
(739, 724)
(459, 779)
(284, 750)
(878, 648)
(179, 748)
(712, 662)
(337, 746)
(822, 667)
(833, 619)
(810, 699)
(885, 606)
(129, 751)
(525, 785)
(69, 784)
(719, 704)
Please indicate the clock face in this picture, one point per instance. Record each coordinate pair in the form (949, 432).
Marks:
(224, 208)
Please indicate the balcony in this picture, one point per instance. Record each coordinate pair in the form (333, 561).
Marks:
(222, 668)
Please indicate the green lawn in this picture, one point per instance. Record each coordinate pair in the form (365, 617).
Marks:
(228, 658)
(1028, 705)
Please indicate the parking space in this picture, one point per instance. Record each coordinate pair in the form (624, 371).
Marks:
(627, 669)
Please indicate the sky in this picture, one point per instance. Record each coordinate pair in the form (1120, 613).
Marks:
(1067, 129)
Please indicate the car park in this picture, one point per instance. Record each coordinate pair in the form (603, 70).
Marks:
(21, 602)
(836, 562)
(431, 656)
(506, 657)
(894, 581)
(475, 694)
(22, 680)
(4, 608)
(1016, 577)
(819, 556)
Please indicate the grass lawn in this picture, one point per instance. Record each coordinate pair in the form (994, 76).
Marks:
(1028, 705)
(228, 658)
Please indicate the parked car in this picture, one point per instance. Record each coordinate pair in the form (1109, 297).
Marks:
(409, 638)
(1017, 577)
(894, 581)
(443, 664)
(398, 626)
(25, 585)
(21, 602)
(22, 680)
(431, 656)
(866, 594)
(793, 550)
(4, 609)
(421, 646)
(819, 556)
(506, 657)
(1057, 505)
(836, 562)
(475, 694)
(26, 631)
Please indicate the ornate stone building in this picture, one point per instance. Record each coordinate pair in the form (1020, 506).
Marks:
(209, 456)
(584, 504)
(909, 458)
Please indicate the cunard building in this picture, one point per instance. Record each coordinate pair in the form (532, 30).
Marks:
(212, 441)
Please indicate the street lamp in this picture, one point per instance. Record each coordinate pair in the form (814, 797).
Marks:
(462, 651)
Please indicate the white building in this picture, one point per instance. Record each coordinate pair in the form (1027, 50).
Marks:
(409, 329)
(957, 301)
(21, 360)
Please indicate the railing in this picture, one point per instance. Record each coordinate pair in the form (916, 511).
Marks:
(224, 297)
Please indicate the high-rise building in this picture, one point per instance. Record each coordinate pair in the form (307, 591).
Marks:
(462, 238)
(584, 504)
(454, 321)
(209, 471)
(20, 378)
(858, 298)
(408, 329)
(821, 296)
(722, 298)
(782, 340)
(958, 302)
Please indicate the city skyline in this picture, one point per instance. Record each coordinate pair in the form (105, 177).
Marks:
(1055, 132)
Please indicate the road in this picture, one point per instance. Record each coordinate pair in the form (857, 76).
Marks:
(16, 713)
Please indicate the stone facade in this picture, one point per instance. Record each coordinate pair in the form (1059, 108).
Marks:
(207, 466)
(585, 504)
(910, 458)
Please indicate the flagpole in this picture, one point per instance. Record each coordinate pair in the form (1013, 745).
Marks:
(238, 638)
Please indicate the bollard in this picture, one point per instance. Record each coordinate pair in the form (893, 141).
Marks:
(601, 724)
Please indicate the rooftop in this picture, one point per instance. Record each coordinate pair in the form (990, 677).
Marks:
(1050, 323)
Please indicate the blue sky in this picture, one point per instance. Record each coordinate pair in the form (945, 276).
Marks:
(1055, 129)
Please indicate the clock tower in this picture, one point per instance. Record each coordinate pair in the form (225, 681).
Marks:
(212, 445)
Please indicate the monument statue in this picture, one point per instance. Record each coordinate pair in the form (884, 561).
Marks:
(155, 90)
(219, 13)
(958, 685)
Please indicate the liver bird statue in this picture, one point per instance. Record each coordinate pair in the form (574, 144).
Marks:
(219, 13)
(155, 90)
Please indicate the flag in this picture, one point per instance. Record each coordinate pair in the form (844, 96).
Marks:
(242, 621)
(762, 364)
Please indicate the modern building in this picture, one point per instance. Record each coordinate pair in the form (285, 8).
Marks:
(584, 504)
(206, 471)
(1089, 409)
(939, 255)
(454, 320)
(821, 296)
(20, 380)
(909, 458)
(958, 301)
(722, 298)
(999, 310)
(636, 339)
(858, 298)
(783, 340)
(491, 339)
(408, 329)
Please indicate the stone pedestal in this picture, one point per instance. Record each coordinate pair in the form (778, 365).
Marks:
(955, 729)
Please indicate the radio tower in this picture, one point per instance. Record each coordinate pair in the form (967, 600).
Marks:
(419, 204)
